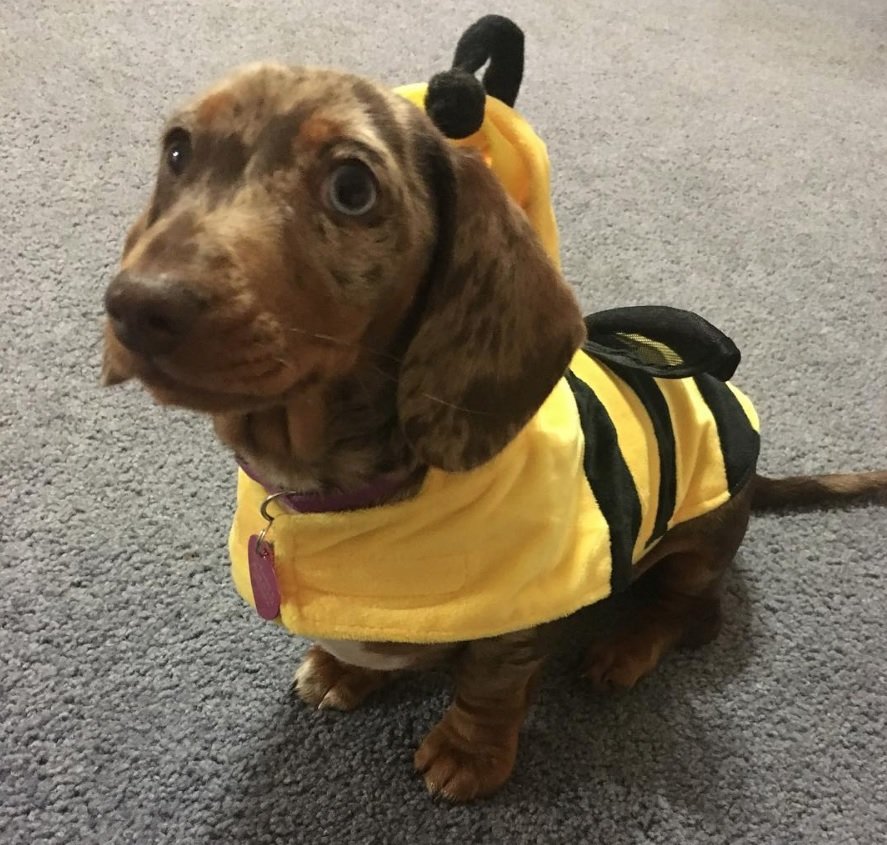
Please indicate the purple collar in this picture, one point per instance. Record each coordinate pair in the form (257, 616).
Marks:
(374, 493)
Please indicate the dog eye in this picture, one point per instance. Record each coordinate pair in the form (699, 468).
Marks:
(177, 150)
(352, 189)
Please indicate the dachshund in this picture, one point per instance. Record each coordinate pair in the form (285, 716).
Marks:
(363, 312)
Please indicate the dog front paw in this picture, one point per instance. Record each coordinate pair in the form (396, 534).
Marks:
(461, 767)
(328, 684)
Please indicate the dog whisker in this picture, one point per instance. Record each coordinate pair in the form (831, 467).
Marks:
(383, 373)
(437, 399)
(332, 339)
(456, 407)
(282, 361)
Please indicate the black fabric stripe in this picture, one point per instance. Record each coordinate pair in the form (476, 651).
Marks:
(650, 396)
(610, 480)
(740, 443)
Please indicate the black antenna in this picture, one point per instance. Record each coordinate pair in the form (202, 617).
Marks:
(455, 99)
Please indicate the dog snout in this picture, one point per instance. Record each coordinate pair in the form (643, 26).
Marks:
(151, 315)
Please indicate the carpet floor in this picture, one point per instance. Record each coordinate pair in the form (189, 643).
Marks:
(726, 157)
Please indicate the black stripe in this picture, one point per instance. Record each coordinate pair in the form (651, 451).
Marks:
(650, 396)
(739, 441)
(610, 480)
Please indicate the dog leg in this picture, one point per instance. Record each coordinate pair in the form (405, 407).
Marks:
(470, 753)
(325, 682)
(670, 617)
(680, 598)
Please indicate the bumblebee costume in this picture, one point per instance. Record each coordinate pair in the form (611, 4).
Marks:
(642, 433)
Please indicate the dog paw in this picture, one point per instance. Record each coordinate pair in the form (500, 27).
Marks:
(619, 663)
(459, 769)
(328, 684)
(618, 666)
(704, 629)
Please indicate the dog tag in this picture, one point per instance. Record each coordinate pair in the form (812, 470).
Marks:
(262, 578)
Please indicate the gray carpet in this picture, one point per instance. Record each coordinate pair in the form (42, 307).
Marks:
(725, 156)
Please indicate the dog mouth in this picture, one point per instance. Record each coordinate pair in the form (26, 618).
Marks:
(245, 386)
(273, 385)
(170, 390)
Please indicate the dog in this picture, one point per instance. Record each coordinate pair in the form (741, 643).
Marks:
(364, 313)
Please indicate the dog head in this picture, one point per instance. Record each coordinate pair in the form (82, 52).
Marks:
(308, 223)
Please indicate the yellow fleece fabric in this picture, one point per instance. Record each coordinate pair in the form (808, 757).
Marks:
(516, 542)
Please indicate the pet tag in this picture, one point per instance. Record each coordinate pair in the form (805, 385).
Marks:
(266, 593)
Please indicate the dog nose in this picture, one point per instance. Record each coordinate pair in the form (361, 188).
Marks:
(151, 315)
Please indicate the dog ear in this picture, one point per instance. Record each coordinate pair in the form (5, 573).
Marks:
(497, 328)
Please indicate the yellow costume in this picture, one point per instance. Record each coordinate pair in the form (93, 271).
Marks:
(521, 540)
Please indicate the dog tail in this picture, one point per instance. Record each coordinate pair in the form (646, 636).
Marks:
(806, 491)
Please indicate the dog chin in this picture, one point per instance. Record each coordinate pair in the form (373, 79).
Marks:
(119, 365)
(167, 391)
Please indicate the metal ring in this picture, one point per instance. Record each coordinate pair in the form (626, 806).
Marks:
(260, 540)
(264, 506)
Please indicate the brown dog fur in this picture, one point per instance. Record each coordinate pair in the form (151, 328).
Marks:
(332, 349)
